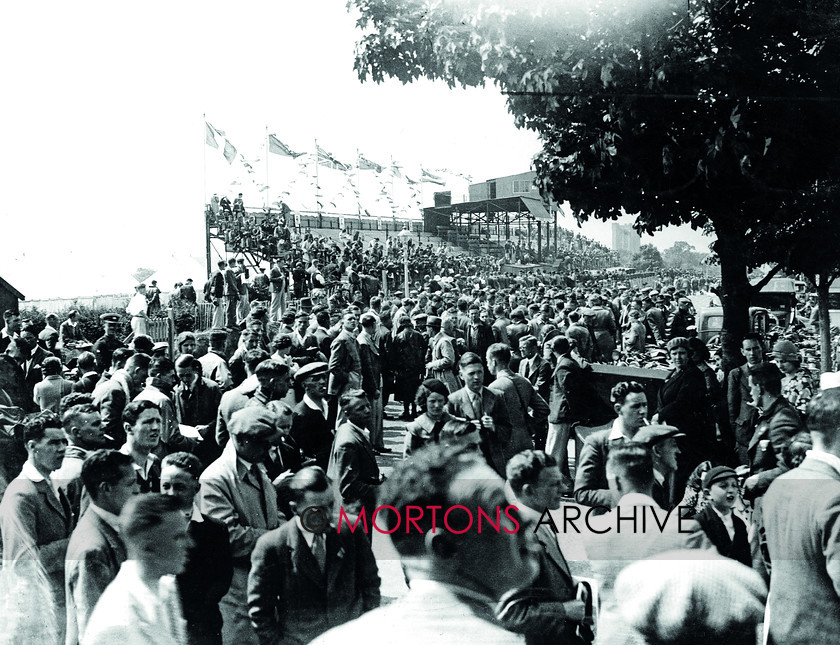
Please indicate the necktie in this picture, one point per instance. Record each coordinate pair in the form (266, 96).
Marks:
(257, 477)
(477, 407)
(319, 551)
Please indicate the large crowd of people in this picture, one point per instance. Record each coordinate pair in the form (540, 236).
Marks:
(198, 497)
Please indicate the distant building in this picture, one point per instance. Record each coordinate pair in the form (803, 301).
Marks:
(510, 186)
(9, 297)
(625, 241)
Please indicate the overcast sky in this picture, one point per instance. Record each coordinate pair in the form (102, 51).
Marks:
(103, 135)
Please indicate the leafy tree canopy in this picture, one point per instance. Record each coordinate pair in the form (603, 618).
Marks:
(648, 259)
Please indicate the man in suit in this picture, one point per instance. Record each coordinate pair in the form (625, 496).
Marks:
(232, 283)
(345, 365)
(371, 358)
(591, 487)
(738, 397)
(236, 491)
(11, 328)
(527, 410)
(453, 585)
(112, 396)
(83, 430)
(141, 605)
(96, 550)
(534, 367)
(209, 568)
(306, 577)
(662, 441)
(278, 286)
(311, 422)
(159, 390)
(69, 333)
(35, 520)
(802, 523)
(353, 464)
(142, 423)
(547, 611)
(197, 402)
(86, 362)
(484, 408)
(478, 336)
(500, 325)
(105, 345)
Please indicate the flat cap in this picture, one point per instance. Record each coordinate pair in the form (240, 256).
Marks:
(653, 434)
(109, 318)
(716, 474)
(433, 321)
(317, 368)
(252, 421)
(420, 316)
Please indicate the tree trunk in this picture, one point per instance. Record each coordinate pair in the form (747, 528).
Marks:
(825, 324)
(735, 297)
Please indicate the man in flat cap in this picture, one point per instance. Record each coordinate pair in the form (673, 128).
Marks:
(662, 441)
(311, 421)
(236, 491)
(104, 347)
(681, 319)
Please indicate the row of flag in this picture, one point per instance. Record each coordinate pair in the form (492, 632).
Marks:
(277, 147)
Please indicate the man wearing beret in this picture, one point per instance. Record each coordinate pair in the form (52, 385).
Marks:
(104, 347)
(236, 491)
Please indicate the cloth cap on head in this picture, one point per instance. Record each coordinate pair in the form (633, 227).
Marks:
(716, 474)
(420, 317)
(217, 334)
(518, 314)
(159, 346)
(109, 318)
(252, 421)
(529, 338)
(653, 434)
(312, 369)
(677, 596)
(784, 350)
(142, 285)
(474, 307)
(684, 301)
(433, 321)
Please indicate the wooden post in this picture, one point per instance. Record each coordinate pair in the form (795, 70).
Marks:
(170, 331)
(385, 282)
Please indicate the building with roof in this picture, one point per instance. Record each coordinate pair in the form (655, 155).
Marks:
(9, 297)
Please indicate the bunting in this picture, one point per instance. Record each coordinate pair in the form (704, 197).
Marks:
(366, 164)
(326, 159)
(433, 179)
(229, 152)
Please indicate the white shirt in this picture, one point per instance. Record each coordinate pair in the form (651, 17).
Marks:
(309, 403)
(308, 536)
(618, 431)
(107, 516)
(145, 468)
(137, 305)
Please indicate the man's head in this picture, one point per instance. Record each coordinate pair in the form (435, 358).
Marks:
(752, 348)
(313, 377)
(83, 426)
(251, 430)
(29, 339)
(630, 404)
(350, 321)
(535, 479)
(823, 417)
(456, 553)
(217, 338)
(252, 358)
(86, 362)
(471, 371)
(765, 381)
(662, 441)
(45, 441)
(162, 370)
(369, 322)
(356, 407)
(109, 478)
(142, 422)
(274, 378)
(528, 346)
(498, 357)
(630, 469)
(561, 346)
(12, 320)
(312, 498)
(137, 368)
(179, 473)
(154, 530)
(110, 323)
(188, 370)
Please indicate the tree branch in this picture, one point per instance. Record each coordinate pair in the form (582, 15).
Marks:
(758, 286)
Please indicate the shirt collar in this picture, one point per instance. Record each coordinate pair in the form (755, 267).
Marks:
(31, 473)
(145, 468)
(196, 515)
(364, 431)
(825, 457)
(617, 431)
(309, 403)
(107, 516)
(659, 477)
(726, 518)
(637, 499)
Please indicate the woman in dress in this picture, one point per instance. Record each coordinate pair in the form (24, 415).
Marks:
(431, 399)
(797, 383)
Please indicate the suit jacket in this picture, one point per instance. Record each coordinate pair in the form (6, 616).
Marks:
(774, 430)
(569, 393)
(122, 614)
(738, 397)
(526, 409)
(94, 556)
(584, 340)
(231, 285)
(354, 469)
(111, 400)
(802, 522)
(539, 374)
(217, 284)
(536, 610)
(87, 383)
(681, 402)
(591, 487)
(201, 409)
(478, 338)
(292, 601)
(230, 402)
(492, 442)
(371, 365)
(345, 365)
(312, 433)
(736, 547)
(205, 580)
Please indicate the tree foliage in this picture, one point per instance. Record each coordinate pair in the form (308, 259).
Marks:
(647, 259)
(711, 113)
(683, 255)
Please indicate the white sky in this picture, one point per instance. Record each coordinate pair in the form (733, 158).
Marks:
(103, 136)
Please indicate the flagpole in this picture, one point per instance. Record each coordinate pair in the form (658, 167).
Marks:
(317, 182)
(204, 199)
(267, 189)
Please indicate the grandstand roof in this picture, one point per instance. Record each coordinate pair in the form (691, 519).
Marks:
(531, 207)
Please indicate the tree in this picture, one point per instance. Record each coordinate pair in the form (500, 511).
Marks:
(702, 112)
(647, 259)
(683, 255)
